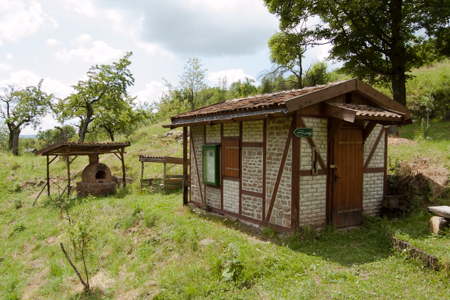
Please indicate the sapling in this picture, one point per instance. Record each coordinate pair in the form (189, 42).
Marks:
(79, 232)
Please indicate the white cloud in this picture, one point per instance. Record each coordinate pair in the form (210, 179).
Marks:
(153, 91)
(4, 65)
(17, 19)
(52, 42)
(84, 7)
(231, 75)
(89, 51)
(26, 78)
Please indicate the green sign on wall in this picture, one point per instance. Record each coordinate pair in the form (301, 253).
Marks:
(303, 132)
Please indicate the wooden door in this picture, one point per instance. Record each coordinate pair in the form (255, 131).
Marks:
(347, 177)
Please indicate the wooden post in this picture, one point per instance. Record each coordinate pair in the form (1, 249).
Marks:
(48, 176)
(164, 177)
(295, 184)
(123, 167)
(142, 172)
(68, 175)
(185, 173)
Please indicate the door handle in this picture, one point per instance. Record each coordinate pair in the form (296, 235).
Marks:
(336, 178)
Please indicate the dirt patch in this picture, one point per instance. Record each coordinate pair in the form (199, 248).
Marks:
(396, 141)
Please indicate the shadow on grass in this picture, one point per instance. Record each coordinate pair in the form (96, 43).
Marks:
(368, 243)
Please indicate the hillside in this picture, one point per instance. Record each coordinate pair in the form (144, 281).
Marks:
(147, 245)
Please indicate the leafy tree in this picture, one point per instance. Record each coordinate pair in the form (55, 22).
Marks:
(317, 74)
(52, 136)
(105, 89)
(118, 117)
(22, 107)
(379, 41)
(243, 88)
(192, 81)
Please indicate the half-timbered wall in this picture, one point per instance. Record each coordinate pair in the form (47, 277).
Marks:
(197, 187)
(313, 188)
(373, 184)
(251, 194)
(277, 134)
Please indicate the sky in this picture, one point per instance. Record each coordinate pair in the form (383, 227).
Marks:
(59, 40)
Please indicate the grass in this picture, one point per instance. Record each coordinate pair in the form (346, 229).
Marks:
(147, 245)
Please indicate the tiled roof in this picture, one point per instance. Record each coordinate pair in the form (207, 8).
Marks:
(368, 111)
(260, 102)
(66, 148)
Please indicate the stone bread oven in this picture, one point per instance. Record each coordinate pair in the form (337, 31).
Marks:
(96, 179)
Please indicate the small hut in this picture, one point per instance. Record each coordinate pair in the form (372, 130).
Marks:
(312, 156)
(96, 178)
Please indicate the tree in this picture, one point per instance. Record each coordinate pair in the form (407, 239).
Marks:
(316, 74)
(119, 117)
(243, 88)
(105, 89)
(52, 136)
(192, 81)
(21, 108)
(379, 41)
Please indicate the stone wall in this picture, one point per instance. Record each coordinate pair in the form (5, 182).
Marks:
(231, 196)
(198, 140)
(213, 134)
(252, 207)
(320, 138)
(252, 131)
(377, 160)
(373, 193)
(252, 169)
(231, 129)
(313, 200)
(213, 196)
(277, 133)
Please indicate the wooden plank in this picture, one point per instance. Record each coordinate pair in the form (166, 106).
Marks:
(253, 194)
(280, 171)
(295, 179)
(339, 113)
(374, 148)
(333, 128)
(374, 170)
(230, 158)
(321, 95)
(264, 169)
(251, 144)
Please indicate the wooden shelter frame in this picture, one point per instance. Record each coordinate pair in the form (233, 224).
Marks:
(69, 149)
(167, 179)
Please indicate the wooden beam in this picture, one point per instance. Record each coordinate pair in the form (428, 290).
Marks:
(295, 179)
(185, 167)
(340, 113)
(122, 158)
(374, 148)
(48, 174)
(68, 175)
(368, 130)
(280, 170)
(312, 144)
(333, 129)
(381, 99)
(321, 95)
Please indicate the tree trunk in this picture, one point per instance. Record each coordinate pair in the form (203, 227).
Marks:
(85, 123)
(110, 133)
(13, 145)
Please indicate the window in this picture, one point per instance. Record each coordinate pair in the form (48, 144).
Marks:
(211, 164)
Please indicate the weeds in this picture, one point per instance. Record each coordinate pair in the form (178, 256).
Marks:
(16, 228)
(232, 269)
